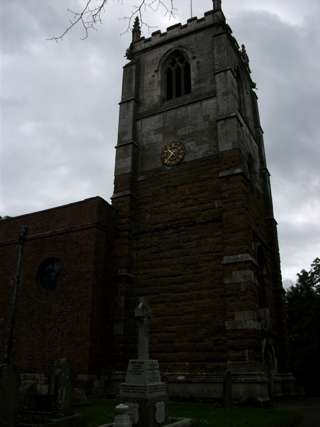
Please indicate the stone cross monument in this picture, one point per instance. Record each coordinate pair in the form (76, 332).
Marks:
(143, 317)
(143, 390)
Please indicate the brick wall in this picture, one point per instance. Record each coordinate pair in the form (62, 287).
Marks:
(70, 320)
(195, 231)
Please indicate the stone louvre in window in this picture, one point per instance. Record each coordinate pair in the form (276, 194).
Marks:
(178, 76)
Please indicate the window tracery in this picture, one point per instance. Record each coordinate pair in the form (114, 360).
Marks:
(177, 76)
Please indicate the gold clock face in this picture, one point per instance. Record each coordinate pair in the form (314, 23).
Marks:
(173, 153)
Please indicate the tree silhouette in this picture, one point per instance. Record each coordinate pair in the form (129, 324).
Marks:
(304, 327)
(91, 14)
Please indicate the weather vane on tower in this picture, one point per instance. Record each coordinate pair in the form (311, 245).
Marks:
(216, 4)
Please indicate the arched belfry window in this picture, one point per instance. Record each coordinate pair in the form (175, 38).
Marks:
(177, 75)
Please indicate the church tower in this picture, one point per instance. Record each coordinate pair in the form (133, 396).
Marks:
(196, 231)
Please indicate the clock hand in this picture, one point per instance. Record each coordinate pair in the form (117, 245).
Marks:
(172, 154)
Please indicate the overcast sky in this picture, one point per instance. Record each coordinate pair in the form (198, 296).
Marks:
(59, 106)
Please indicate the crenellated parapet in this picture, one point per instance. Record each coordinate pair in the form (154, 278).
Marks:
(212, 17)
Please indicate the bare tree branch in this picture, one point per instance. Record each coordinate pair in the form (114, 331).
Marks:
(155, 5)
(91, 15)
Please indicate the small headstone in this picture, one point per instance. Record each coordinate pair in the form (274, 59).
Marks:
(160, 414)
(133, 412)
(9, 392)
(60, 386)
(122, 418)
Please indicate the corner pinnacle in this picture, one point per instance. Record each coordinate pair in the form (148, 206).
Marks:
(216, 4)
(136, 31)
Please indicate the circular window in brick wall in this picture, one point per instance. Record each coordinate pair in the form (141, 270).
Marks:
(49, 273)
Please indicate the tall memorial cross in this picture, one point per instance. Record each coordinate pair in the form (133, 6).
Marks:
(143, 318)
(143, 391)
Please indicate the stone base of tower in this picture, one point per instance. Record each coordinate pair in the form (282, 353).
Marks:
(284, 385)
(246, 386)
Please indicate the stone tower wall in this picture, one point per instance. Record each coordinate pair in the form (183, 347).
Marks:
(198, 239)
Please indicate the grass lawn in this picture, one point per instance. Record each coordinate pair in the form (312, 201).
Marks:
(102, 412)
(207, 415)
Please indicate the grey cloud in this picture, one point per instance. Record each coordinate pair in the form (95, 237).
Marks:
(25, 21)
(284, 66)
(59, 107)
(60, 114)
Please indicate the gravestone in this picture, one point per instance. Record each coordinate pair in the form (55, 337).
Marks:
(9, 395)
(122, 418)
(60, 387)
(55, 406)
(143, 390)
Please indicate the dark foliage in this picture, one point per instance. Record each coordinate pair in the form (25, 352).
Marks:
(304, 327)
